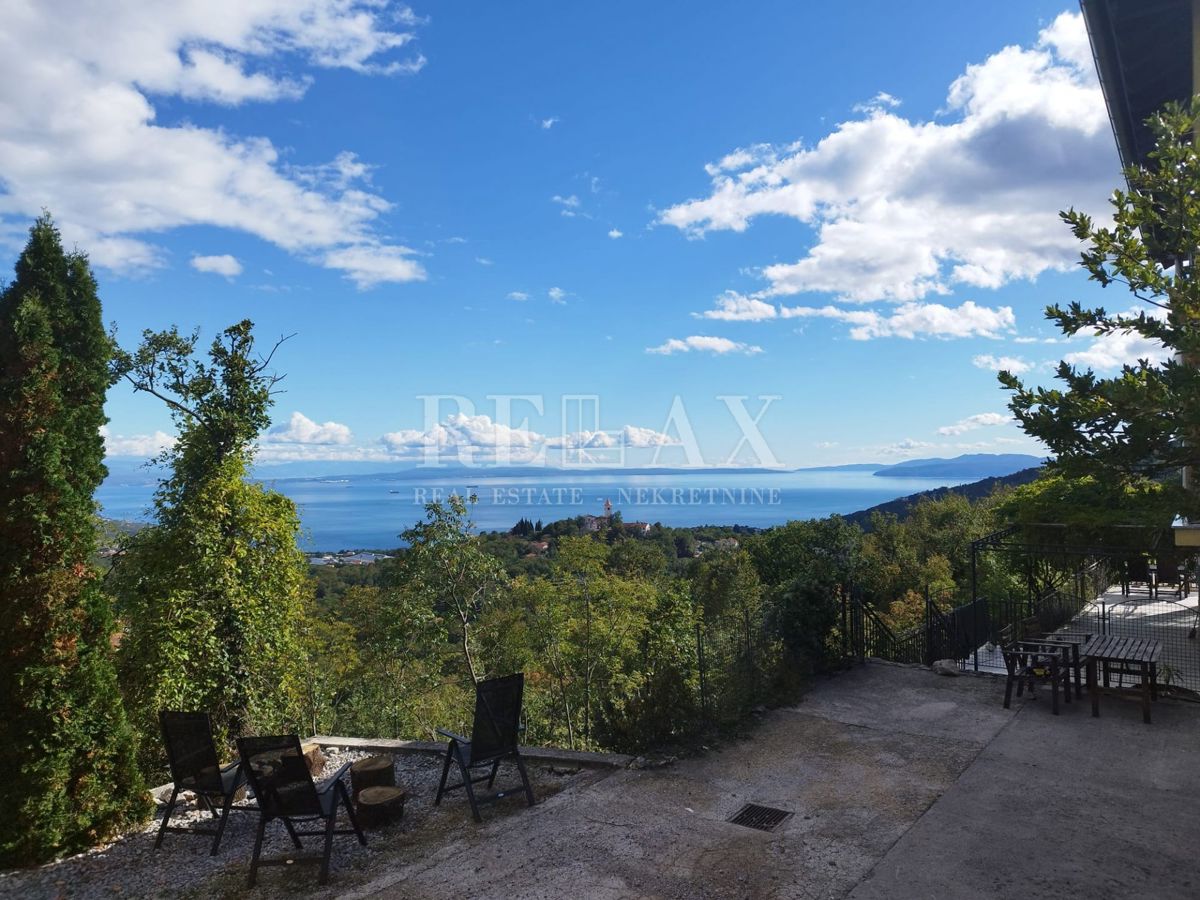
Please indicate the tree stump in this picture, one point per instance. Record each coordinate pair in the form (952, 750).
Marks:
(374, 771)
(379, 806)
(313, 758)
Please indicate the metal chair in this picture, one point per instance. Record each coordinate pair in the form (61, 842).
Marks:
(285, 789)
(493, 739)
(192, 756)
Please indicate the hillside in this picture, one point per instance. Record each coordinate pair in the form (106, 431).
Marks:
(976, 490)
(969, 465)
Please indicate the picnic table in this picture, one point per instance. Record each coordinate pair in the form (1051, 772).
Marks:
(1108, 655)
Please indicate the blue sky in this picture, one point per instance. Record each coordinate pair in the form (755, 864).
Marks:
(850, 207)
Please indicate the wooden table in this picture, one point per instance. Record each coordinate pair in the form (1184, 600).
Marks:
(1123, 656)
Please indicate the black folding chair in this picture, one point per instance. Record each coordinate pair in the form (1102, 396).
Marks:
(192, 755)
(493, 740)
(285, 789)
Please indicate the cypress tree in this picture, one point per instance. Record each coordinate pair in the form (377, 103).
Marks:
(66, 750)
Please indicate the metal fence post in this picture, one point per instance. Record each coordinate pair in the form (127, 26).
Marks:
(845, 627)
(587, 683)
(929, 654)
(700, 666)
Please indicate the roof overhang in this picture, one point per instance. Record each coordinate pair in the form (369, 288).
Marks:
(1143, 51)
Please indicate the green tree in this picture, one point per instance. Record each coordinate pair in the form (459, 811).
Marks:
(807, 568)
(405, 685)
(447, 567)
(67, 751)
(588, 632)
(727, 584)
(333, 668)
(1144, 422)
(213, 594)
(808, 610)
(801, 548)
(638, 558)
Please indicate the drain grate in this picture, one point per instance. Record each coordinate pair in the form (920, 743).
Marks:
(764, 818)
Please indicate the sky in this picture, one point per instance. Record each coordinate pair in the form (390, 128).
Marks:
(842, 218)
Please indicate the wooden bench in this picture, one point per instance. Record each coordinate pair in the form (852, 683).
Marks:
(1108, 655)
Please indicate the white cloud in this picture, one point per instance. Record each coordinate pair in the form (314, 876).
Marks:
(269, 453)
(906, 447)
(744, 157)
(484, 261)
(1112, 351)
(549, 123)
(734, 307)
(1013, 364)
(634, 436)
(970, 423)
(520, 296)
(717, 345)
(219, 265)
(570, 205)
(909, 448)
(136, 445)
(302, 430)
(881, 101)
(914, 320)
(83, 137)
(368, 265)
(557, 295)
(479, 439)
(629, 436)
(465, 433)
(903, 208)
(615, 233)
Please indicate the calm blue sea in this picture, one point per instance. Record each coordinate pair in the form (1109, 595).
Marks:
(369, 511)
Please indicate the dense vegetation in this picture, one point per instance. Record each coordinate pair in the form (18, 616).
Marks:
(67, 752)
(212, 595)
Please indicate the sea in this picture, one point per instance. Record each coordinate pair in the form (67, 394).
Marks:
(368, 511)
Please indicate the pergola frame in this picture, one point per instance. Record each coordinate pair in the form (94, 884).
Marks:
(1015, 540)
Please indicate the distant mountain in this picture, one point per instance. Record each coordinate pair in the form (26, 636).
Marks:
(848, 467)
(975, 490)
(321, 469)
(471, 474)
(969, 465)
(976, 465)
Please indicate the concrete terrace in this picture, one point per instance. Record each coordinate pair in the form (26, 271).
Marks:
(903, 784)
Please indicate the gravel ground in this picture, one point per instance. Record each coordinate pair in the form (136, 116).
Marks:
(130, 867)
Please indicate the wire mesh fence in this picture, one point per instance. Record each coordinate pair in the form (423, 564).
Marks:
(736, 657)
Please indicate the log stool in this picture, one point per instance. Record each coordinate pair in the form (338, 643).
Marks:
(313, 758)
(374, 771)
(379, 806)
